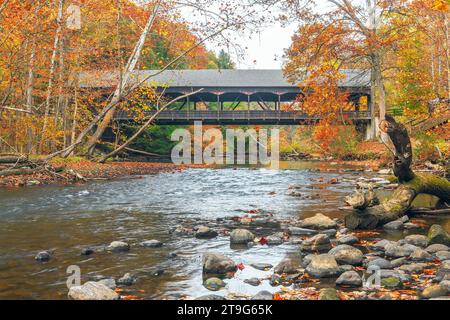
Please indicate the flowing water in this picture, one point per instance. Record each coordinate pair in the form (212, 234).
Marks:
(66, 219)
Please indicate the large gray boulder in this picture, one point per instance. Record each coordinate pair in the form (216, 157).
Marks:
(241, 236)
(349, 278)
(437, 235)
(92, 291)
(323, 266)
(318, 222)
(216, 263)
(345, 254)
(320, 243)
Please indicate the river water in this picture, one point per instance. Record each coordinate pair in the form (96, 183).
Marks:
(66, 219)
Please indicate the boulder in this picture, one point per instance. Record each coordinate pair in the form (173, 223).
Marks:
(319, 242)
(275, 239)
(263, 295)
(433, 291)
(287, 266)
(152, 244)
(417, 240)
(204, 232)
(349, 240)
(345, 254)
(241, 236)
(349, 278)
(437, 235)
(253, 282)
(318, 222)
(394, 225)
(126, 280)
(420, 255)
(443, 255)
(397, 251)
(92, 291)
(118, 246)
(379, 263)
(216, 263)
(381, 245)
(109, 282)
(392, 283)
(436, 248)
(413, 267)
(323, 266)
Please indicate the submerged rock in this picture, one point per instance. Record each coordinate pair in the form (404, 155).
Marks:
(320, 242)
(262, 266)
(118, 246)
(319, 222)
(126, 280)
(328, 294)
(437, 235)
(92, 291)
(43, 256)
(214, 284)
(345, 254)
(87, 251)
(241, 236)
(253, 282)
(349, 278)
(295, 231)
(216, 263)
(323, 266)
(152, 244)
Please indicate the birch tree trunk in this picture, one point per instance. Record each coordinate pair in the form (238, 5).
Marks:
(129, 69)
(29, 95)
(52, 72)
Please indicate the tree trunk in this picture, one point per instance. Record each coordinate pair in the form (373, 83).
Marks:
(129, 69)
(412, 184)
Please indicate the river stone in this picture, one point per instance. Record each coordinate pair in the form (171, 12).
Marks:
(413, 267)
(92, 291)
(398, 262)
(381, 245)
(349, 240)
(379, 263)
(345, 254)
(398, 251)
(152, 244)
(204, 232)
(253, 282)
(319, 242)
(349, 278)
(443, 272)
(294, 231)
(433, 291)
(287, 266)
(126, 280)
(323, 266)
(443, 255)
(437, 235)
(211, 297)
(109, 282)
(345, 268)
(446, 285)
(275, 239)
(43, 256)
(87, 251)
(241, 236)
(394, 225)
(118, 246)
(328, 294)
(394, 274)
(391, 283)
(214, 284)
(421, 255)
(263, 295)
(319, 222)
(417, 240)
(262, 266)
(410, 226)
(436, 248)
(216, 263)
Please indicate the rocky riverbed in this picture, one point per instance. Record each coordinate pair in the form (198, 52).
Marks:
(218, 234)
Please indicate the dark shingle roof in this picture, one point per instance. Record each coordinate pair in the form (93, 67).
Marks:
(216, 78)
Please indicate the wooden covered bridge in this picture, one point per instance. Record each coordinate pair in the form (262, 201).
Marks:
(236, 97)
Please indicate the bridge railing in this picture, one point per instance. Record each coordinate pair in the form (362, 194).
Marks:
(192, 115)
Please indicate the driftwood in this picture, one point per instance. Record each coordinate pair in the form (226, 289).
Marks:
(411, 185)
(17, 172)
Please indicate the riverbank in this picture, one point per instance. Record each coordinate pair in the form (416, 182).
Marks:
(78, 170)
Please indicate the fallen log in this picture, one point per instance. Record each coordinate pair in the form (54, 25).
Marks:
(411, 184)
(18, 172)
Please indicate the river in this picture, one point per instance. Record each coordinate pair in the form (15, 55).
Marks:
(66, 219)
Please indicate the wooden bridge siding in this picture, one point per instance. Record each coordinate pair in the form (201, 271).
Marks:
(253, 117)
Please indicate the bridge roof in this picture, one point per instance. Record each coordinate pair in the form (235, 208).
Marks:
(217, 79)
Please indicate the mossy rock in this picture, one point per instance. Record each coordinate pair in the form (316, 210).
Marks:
(437, 235)
(391, 283)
